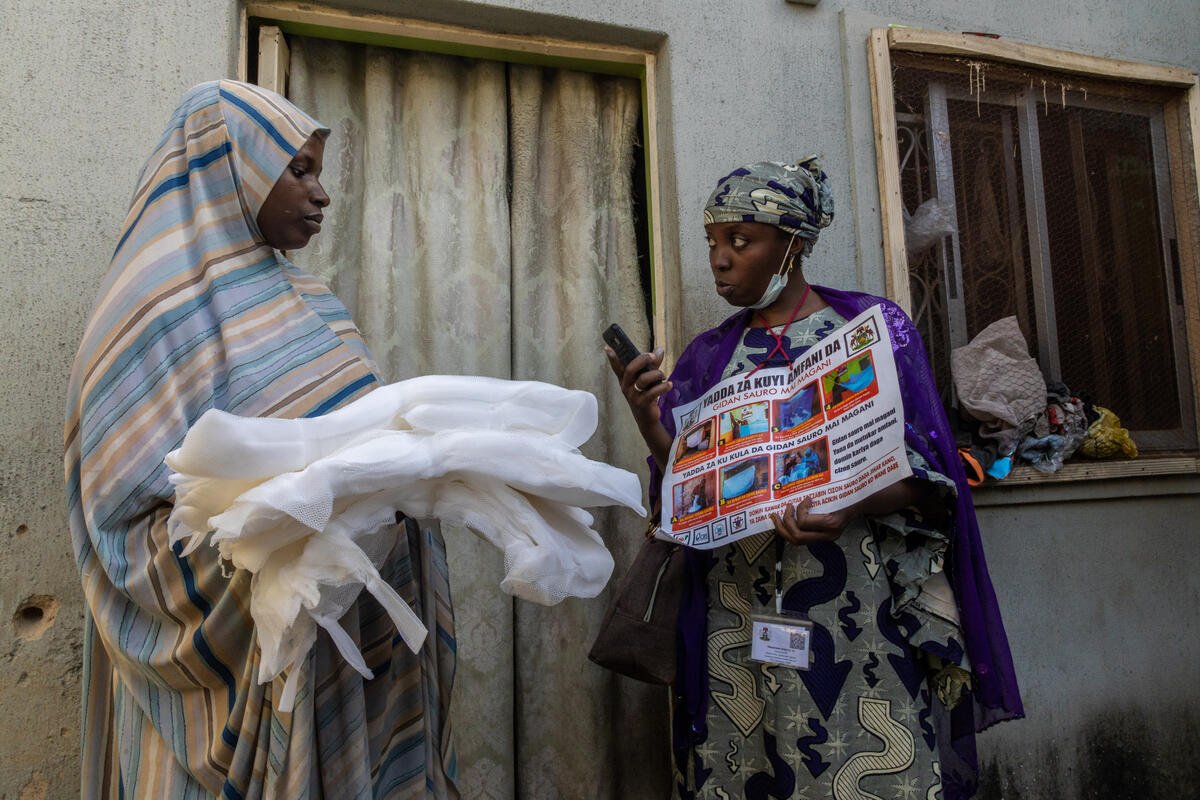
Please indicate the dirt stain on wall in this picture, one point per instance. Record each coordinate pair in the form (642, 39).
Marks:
(1117, 755)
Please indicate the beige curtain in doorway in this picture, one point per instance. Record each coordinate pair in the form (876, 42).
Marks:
(482, 224)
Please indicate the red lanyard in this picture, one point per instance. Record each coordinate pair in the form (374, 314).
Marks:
(779, 346)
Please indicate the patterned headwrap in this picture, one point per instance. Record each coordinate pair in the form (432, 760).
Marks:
(795, 197)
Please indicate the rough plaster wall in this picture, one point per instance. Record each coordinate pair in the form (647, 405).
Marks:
(85, 94)
(85, 90)
(1100, 601)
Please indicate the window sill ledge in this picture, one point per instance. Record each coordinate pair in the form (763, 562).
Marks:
(1082, 481)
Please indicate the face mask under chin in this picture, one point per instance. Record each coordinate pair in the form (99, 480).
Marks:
(774, 289)
(778, 280)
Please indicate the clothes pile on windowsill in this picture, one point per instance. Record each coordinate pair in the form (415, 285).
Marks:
(1010, 415)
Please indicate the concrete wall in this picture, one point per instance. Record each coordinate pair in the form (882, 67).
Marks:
(1099, 582)
(1099, 599)
(85, 90)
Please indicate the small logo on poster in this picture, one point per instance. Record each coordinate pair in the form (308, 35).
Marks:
(862, 337)
(737, 522)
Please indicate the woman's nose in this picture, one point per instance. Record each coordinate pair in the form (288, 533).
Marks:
(319, 197)
(718, 259)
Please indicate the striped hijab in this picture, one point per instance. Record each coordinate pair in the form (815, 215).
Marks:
(198, 312)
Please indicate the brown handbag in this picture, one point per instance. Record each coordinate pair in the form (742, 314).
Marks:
(637, 634)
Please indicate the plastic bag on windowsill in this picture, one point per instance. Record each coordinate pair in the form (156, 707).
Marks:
(1107, 439)
(1043, 453)
(926, 226)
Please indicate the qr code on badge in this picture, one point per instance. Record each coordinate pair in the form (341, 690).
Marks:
(799, 639)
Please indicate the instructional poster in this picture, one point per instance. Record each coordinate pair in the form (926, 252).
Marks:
(829, 427)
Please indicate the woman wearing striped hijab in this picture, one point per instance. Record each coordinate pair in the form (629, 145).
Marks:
(200, 310)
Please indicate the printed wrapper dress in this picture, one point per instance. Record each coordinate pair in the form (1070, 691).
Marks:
(861, 722)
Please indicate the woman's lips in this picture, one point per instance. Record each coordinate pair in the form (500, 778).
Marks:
(724, 289)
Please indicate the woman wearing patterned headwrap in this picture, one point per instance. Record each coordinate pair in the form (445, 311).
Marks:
(200, 310)
(909, 656)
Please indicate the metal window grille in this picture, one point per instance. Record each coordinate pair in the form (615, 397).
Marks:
(1059, 209)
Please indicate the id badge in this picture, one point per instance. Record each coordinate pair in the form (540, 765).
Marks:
(782, 640)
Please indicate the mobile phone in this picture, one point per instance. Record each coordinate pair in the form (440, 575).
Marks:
(621, 344)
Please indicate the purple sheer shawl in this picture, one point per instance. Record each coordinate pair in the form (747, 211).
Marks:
(927, 430)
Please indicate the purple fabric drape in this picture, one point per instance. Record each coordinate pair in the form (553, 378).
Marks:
(927, 430)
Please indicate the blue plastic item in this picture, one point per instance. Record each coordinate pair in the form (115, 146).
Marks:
(1000, 468)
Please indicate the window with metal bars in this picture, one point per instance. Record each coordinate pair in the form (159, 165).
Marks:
(1048, 197)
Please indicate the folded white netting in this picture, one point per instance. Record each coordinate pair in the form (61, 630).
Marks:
(305, 504)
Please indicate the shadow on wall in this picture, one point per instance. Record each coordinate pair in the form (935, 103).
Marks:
(1119, 756)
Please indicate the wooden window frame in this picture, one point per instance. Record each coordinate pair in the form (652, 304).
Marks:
(271, 19)
(1182, 119)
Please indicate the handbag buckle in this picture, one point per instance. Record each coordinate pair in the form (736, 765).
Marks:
(652, 527)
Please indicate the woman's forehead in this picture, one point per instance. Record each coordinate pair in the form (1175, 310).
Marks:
(313, 149)
(759, 228)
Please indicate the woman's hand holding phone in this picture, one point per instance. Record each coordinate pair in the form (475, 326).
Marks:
(642, 383)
